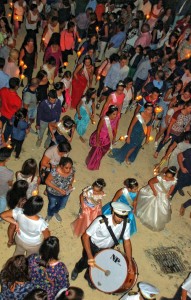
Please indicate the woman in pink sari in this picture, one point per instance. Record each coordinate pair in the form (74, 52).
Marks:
(115, 98)
(102, 139)
(82, 78)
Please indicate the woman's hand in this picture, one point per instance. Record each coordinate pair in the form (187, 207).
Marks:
(63, 192)
(79, 117)
(17, 229)
(155, 193)
(128, 139)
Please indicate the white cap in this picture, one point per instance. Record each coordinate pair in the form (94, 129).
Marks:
(120, 208)
(148, 290)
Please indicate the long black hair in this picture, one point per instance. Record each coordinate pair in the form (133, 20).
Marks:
(17, 193)
(20, 115)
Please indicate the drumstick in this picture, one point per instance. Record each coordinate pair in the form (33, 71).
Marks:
(107, 272)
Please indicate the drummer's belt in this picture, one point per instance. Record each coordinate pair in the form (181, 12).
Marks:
(105, 220)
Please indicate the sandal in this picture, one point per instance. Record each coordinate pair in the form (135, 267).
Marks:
(98, 105)
(9, 244)
(128, 163)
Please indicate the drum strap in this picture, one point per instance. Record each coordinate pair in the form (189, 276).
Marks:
(116, 243)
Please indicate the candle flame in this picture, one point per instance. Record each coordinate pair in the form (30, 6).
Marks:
(151, 138)
(79, 40)
(25, 67)
(35, 193)
(22, 76)
(158, 109)
(21, 63)
(78, 53)
(138, 98)
(65, 64)
(97, 28)
(98, 77)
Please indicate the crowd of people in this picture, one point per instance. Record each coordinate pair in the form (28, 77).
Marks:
(134, 57)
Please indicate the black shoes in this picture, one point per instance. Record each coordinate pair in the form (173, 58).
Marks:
(181, 192)
(74, 274)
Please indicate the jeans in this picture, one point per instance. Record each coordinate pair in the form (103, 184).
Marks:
(3, 203)
(43, 127)
(56, 203)
(184, 179)
(8, 128)
(102, 46)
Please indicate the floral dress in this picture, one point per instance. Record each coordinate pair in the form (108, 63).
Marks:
(51, 279)
(19, 293)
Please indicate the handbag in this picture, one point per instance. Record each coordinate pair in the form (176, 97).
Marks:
(44, 174)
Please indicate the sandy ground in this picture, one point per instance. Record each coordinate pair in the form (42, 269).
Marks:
(176, 233)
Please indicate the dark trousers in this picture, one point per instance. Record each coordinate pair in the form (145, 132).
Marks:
(17, 145)
(8, 128)
(162, 143)
(138, 85)
(184, 179)
(101, 85)
(65, 55)
(83, 262)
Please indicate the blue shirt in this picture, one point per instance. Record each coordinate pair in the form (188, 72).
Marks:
(115, 74)
(91, 4)
(19, 132)
(117, 39)
(143, 70)
(4, 80)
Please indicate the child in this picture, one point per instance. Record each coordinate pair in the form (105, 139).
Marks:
(60, 91)
(67, 80)
(16, 197)
(73, 293)
(50, 67)
(20, 129)
(90, 202)
(153, 205)
(29, 173)
(125, 195)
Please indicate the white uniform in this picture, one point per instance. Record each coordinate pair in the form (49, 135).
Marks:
(131, 296)
(187, 286)
(100, 235)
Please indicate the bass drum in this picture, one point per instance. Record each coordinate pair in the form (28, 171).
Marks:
(116, 278)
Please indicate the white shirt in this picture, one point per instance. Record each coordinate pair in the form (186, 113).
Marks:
(30, 230)
(100, 235)
(187, 286)
(52, 154)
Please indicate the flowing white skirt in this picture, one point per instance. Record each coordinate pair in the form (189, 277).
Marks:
(154, 212)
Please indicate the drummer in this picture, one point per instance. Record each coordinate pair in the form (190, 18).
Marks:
(98, 237)
(146, 291)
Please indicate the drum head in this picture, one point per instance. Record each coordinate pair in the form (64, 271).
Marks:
(113, 262)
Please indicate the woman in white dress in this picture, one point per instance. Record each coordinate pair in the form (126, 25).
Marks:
(153, 205)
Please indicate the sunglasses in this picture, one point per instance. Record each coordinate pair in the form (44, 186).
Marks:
(119, 216)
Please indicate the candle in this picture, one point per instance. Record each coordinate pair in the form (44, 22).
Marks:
(9, 15)
(151, 138)
(158, 109)
(25, 67)
(138, 98)
(122, 138)
(79, 40)
(43, 39)
(147, 17)
(78, 53)
(188, 55)
(11, 4)
(97, 28)
(22, 76)
(9, 146)
(93, 122)
(65, 64)
(98, 77)
(35, 193)
(17, 17)
(21, 63)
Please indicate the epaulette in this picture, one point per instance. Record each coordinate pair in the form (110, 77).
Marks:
(132, 293)
(101, 221)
